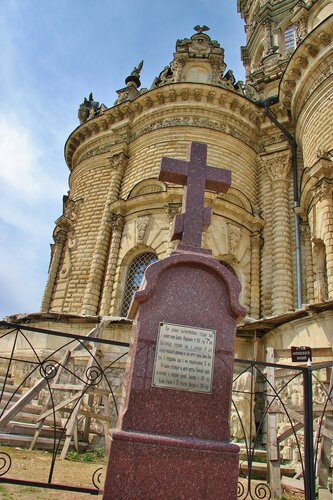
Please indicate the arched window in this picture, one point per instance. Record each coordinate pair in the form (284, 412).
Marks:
(134, 277)
(291, 38)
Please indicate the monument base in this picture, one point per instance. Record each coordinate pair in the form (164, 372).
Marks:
(158, 467)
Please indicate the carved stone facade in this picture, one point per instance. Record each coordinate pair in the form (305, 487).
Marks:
(117, 208)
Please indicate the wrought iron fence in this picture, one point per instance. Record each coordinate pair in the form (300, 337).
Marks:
(65, 394)
(282, 417)
(58, 391)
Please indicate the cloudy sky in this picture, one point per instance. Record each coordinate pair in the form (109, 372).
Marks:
(53, 54)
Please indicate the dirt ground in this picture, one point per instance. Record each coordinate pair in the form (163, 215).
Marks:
(35, 466)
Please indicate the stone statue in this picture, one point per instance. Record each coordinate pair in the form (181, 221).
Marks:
(134, 78)
(89, 108)
(136, 71)
(242, 424)
(201, 29)
(166, 76)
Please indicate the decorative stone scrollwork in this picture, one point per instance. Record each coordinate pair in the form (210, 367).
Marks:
(71, 245)
(141, 228)
(234, 234)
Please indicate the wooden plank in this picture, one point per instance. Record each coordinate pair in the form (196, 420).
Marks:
(58, 407)
(72, 422)
(48, 400)
(289, 432)
(293, 485)
(67, 387)
(272, 442)
(23, 401)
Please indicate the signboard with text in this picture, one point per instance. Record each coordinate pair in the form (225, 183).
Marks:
(184, 358)
(301, 354)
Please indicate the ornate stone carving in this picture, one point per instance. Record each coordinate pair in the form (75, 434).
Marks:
(324, 38)
(117, 221)
(141, 228)
(67, 262)
(198, 122)
(234, 234)
(256, 241)
(323, 191)
(172, 209)
(89, 109)
(118, 161)
(278, 165)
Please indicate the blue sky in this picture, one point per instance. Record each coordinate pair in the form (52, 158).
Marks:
(53, 54)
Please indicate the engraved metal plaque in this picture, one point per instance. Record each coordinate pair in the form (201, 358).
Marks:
(184, 358)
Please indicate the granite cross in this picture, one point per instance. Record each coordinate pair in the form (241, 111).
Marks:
(196, 176)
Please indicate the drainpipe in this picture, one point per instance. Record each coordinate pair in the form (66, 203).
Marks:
(266, 104)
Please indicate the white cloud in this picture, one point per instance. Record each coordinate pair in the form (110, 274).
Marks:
(20, 162)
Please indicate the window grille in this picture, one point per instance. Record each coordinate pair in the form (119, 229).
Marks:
(134, 277)
(291, 37)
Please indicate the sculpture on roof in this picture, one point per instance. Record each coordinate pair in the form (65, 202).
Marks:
(201, 29)
(90, 108)
(134, 77)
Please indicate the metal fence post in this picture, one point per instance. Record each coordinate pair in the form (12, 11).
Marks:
(309, 469)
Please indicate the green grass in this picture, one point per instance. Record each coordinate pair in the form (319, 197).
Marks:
(89, 456)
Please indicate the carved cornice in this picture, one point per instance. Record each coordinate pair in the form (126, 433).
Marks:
(116, 122)
(277, 165)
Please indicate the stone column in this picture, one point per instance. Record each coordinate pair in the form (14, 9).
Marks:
(308, 283)
(324, 191)
(97, 269)
(256, 244)
(58, 248)
(116, 224)
(278, 168)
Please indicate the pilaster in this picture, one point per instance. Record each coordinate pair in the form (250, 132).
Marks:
(57, 251)
(309, 275)
(278, 168)
(256, 244)
(324, 191)
(116, 224)
(97, 269)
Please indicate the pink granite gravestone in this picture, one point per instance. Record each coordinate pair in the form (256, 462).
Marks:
(173, 440)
